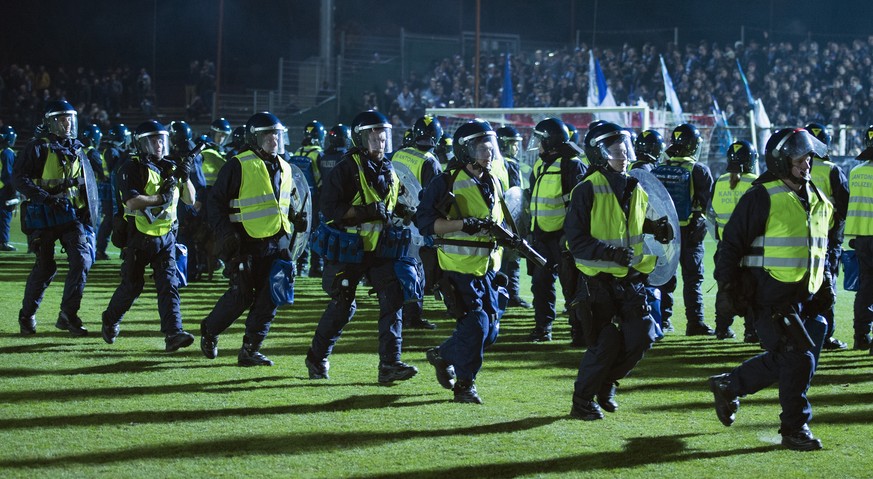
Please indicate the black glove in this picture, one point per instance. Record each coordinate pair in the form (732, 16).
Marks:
(405, 212)
(622, 256)
(300, 221)
(55, 202)
(68, 183)
(697, 226)
(371, 212)
(852, 243)
(735, 302)
(166, 189)
(474, 225)
(660, 229)
(183, 171)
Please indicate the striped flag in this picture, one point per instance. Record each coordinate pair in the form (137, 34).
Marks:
(670, 93)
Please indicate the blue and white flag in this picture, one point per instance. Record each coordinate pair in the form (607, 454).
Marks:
(670, 93)
(506, 96)
(746, 84)
(599, 94)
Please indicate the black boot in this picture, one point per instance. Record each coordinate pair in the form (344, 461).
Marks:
(585, 409)
(724, 333)
(318, 368)
(801, 440)
(396, 371)
(726, 403)
(465, 392)
(606, 397)
(27, 324)
(249, 355)
(540, 335)
(445, 372)
(174, 342)
(71, 323)
(208, 342)
(109, 329)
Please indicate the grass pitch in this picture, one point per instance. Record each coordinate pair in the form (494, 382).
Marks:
(77, 407)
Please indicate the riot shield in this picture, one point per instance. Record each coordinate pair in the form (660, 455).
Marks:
(91, 193)
(514, 199)
(409, 197)
(301, 200)
(710, 223)
(660, 204)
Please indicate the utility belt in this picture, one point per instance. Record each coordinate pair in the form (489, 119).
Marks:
(41, 216)
(491, 245)
(342, 246)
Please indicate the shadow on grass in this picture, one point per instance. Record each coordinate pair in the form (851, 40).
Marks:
(291, 444)
(639, 451)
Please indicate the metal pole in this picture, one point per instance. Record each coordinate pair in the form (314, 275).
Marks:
(676, 36)
(218, 59)
(754, 129)
(594, 25)
(476, 64)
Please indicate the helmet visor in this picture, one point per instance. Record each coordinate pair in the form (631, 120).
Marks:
(63, 124)
(535, 141)
(269, 139)
(155, 144)
(376, 139)
(800, 143)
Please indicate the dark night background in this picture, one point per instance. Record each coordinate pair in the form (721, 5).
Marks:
(165, 35)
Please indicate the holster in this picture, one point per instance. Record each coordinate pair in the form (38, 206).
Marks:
(119, 231)
(446, 291)
(793, 329)
(337, 245)
(580, 312)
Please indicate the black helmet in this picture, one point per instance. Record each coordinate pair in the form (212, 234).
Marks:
(366, 121)
(426, 131)
(649, 146)
(264, 122)
(464, 142)
(550, 133)
(180, 133)
(867, 153)
(119, 135)
(339, 136)
(789, 143)
(220, 131)
(238, 137)
(599, 138)
(92, 135)
(54, 111)
(741, 157)
(313, 134)
(685, 141)
(506, 135)
(407, 139)
(143, 135)
(820, 132)
(444, 150)
(572, 132)
(7, 136)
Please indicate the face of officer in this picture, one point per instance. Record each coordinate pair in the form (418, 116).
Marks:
(375, 141)
(268, 141)
(800, 167)
(512, 148)
(62, 125)
(154, 145)
(619, 154)
(482, 152)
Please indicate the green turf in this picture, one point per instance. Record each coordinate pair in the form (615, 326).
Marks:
(79, 407)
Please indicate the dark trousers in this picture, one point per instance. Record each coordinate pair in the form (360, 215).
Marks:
(5, 223)
(74, 239)
(511, 267)
(864, 295)
(792, 368)
(618, 347)
(249, 289)
(340, 281)
(160, 253)
(543, 281)
(478, 329)
(691, 264)
(107, 209)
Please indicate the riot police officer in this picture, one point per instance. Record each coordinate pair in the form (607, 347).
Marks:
(251, 213)
(307, 158)
(339, 140)
(237, 142)
(194, 232)
(605, 226)
(741, 172)
(114, 153)
(8, 195)
(556, 172)
(859, 230)
(52, 174)
(149, 188)
(419, 158)
(458, 207)
(831, 180)
(689, 183)
(358, 200)
(509, 142)
(444, 151)
(648, 148)
(776, 239)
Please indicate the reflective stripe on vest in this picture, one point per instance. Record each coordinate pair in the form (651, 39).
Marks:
(725, 199)
(260, 213)
(548, 203)
(610, 225)
(370, 230)
(859, 219)
(794, 243)
(213, 160)
(820, 173)
(471, 259)
(164, 215)
(54, 172)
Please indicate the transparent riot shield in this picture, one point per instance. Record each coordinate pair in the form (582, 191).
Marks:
(660, 204)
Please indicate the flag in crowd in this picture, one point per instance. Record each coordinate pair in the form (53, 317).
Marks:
(670, 92)
(506, 97)
(599, 94)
